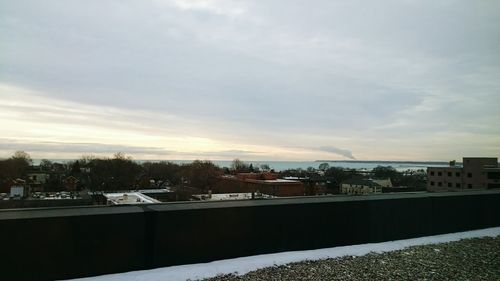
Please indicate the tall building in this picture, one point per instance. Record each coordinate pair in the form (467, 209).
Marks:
(474, 173)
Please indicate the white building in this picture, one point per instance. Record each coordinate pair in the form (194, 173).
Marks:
(230, 196)
(17, 191)
(360, 187)
(129, 198)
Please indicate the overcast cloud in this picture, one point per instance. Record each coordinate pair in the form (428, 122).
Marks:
(291, 80)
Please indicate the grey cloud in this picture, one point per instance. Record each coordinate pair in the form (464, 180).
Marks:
(339, 151)
(99, 148)
(223, 154)
(261, 71)
(84, 148)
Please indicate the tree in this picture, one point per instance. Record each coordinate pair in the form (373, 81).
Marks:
(239, 166)
(265, 167)
(118, 173)
(121, 156)
(163, 171)
(15, 166)
(20, 161)
(384, 172)
(21, 155)
(46, 165)
(323, 166)
(337, 175)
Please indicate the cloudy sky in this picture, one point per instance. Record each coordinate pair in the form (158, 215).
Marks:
(258, 80)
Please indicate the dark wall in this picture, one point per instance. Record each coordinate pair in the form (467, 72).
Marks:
(62, 243)
(66, 243)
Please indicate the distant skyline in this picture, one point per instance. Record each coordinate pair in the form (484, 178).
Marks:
(255, 80)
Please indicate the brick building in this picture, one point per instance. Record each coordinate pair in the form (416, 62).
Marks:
(474, 173)
(266, 183)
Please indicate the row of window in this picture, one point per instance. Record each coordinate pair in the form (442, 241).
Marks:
(450, 174)
(457, 185)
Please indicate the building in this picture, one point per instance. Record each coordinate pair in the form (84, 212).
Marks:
(230, 196)
(129, 198)
(18, 189)
(71, 183)
(46, 200)
(360, 187)
(317, 185)
(37, 180)
(266, 183)
(387, 183)
(474, 173)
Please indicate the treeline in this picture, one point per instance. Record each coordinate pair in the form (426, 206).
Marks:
(336, 175)
(119, 172)
(14, 167)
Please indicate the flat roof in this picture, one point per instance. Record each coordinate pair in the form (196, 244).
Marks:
(276, 181)
(156, 190)
(129, 198)
(231, 196)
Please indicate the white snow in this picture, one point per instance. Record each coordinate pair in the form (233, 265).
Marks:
(129, 198)
(247, 264)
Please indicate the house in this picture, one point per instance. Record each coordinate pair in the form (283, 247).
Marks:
(18, 189)
(37, 180)
(383, 182)
(360, 187)
(70, 183)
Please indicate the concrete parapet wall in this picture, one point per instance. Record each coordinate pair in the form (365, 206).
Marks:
(59, 243)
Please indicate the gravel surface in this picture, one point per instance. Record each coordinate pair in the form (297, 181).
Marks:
(469, 259)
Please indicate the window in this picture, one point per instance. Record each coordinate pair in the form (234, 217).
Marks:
(432, 183)
(432, 173)
(450, 185)
(469, 175)
(449, 174)
(457, 174)
(440, 174)
(469, 185)
(440, 184)
(457, 185)
(494, 175)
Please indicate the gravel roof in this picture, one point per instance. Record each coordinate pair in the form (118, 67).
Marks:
(468, 259)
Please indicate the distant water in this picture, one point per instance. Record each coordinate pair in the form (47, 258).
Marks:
(358, 165)
(284, 165)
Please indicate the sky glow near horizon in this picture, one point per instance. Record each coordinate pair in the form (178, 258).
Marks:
(255, 80)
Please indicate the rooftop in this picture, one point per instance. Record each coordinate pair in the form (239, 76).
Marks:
(129, 198)
(230, 196)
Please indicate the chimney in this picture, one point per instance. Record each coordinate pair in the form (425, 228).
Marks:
(452, 163)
